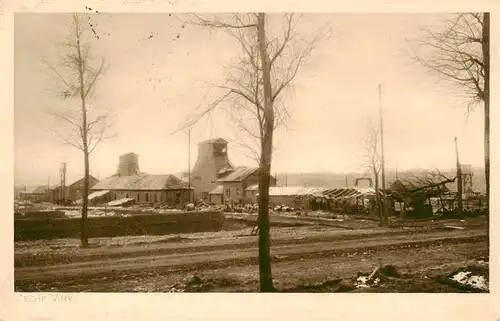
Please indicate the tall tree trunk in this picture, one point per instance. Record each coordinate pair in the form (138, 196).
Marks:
(85, 201)
(84, 133)
(266, 281)
(486, 98)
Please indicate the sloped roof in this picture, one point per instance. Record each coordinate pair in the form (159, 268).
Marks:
(140, 182)
(238, 174)
(218, 190)
(213, 141)
(294, 190)
(336, 193)
(34, 190)
(80, 179)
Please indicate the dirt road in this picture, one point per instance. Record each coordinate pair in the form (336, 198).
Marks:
(226, 255)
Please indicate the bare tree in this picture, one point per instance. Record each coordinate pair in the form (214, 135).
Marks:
(373, 165)
(86, 128)
(268, 64)
(461, 53)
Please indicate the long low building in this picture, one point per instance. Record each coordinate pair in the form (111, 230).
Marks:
(145, 189)
(313, 198)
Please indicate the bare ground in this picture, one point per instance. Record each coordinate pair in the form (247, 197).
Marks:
(305, 259)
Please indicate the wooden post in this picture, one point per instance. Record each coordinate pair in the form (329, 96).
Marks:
(189, 166)
(459, 179)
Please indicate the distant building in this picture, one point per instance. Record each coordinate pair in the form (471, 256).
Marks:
(211, 164)
(232, 188)
(72, 192)
(145, 189)
(130, 184)
(35, 194)
(314, 198)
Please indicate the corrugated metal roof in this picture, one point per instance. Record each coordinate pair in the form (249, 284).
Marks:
(238, 174)
(140, 182)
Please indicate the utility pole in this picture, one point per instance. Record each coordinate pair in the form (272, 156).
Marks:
(385, 206)
(189, 164)
(396, 172)
(459, 179)
(62, 173)
(346, 181)
(382, 163)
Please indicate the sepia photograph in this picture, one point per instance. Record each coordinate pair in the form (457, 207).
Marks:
(251, 152)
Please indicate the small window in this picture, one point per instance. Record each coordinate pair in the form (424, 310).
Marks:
(237, 192)
(147, 197)
(228, 192)
(156, 198)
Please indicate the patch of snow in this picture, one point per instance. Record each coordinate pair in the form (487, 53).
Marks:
(475, 281)
(361, 282)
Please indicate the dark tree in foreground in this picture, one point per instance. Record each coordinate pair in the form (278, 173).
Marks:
(461, 54)
(268, 65)
(78, 75)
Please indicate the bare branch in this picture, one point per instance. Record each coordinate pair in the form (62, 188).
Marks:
(97, 74)
(190, 123)
(216, 23)
(455, 53)
(67, 83)
(285, 40)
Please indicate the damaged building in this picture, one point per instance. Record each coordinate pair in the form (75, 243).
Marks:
(316, 198)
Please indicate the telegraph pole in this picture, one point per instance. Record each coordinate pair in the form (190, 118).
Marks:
(382, 160)
(62, 173)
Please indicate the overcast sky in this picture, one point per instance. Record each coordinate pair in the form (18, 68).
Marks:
(157, 76)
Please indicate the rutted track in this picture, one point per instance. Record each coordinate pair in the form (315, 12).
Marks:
(228, 256)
